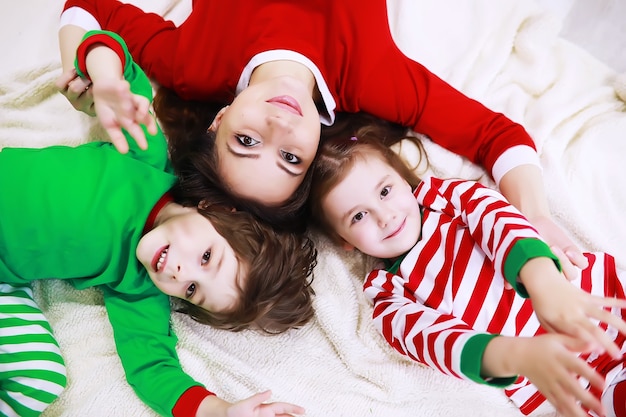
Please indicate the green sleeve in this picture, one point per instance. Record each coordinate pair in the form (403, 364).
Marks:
(522, 251)
(146, 346)
(157, 152)
(472, 358)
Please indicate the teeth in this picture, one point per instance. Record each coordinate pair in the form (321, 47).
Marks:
(161, 259)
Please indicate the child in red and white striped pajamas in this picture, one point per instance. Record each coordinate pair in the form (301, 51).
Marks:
(469, 287)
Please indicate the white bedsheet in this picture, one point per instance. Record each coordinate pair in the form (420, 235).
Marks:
(506, 54)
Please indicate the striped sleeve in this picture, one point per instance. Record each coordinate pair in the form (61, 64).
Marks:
(440, 341)
(503, 233)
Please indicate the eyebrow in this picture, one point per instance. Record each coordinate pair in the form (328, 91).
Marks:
(256, 156)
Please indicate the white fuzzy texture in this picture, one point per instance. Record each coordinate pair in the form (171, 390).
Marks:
(505, 53)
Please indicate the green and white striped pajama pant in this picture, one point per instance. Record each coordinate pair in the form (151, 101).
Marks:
(32, 371)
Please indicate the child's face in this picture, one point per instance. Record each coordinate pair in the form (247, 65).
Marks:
(186, 258)
(374, 210)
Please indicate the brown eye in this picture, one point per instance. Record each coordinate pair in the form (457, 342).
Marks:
(358, 217)
(206, 256)
(191, 289)
(290, 158)
(246, 141)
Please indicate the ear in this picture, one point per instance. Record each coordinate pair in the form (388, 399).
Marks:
(218, 119)
(203, 204)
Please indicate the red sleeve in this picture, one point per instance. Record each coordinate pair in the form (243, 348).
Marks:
(151, 40)
(464, 125)
(81, 52)
(188, 403)
(408, 93)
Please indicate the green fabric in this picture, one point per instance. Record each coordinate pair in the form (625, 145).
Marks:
(472, 358)
(522, 251)
(77, 213)
(26, 337)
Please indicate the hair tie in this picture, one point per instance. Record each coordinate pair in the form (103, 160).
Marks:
(354, 138)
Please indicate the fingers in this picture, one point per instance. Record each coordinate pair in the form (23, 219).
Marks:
(569, 269)
(612, 320)
(568, 391)
(64, 79)
(258, 399)
(585, 396)
(118, 139)
(576, 257)
(278, 409)
(77, 91)
(286, 409)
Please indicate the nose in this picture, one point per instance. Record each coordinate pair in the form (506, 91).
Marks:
(278, 124)
(384, 216)
(181, 276)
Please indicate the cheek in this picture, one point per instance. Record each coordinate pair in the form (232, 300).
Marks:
(143, 250)
(360, 236)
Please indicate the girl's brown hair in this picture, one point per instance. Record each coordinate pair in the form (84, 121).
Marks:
(345, 144)
(192, 152)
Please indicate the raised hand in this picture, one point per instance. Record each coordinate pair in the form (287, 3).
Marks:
(117, 107)
(573, 312)
(551, 363)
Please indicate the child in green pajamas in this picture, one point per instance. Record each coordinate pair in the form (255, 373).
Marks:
(96, 217)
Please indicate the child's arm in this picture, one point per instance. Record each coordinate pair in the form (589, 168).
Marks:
(511, 242)
(101, 60)
(448, 344)
(115, 105)
(146, 345)
(73, 87)
(564, 308)
(551, 363)
(440, 341)
(250, 407)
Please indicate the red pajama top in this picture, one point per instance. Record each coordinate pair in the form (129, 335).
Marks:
(349, 45)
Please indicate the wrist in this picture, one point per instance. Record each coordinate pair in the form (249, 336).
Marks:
(501, 357)
(212, 406)
(523, 188)
(103, 64)
(537, 274)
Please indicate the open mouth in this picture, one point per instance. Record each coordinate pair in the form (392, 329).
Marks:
(287, 103)
(160, 258)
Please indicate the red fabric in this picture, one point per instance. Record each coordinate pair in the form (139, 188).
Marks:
(619, 399)
(81, 52)
(166, 198)
(349, 41)
(188, 403)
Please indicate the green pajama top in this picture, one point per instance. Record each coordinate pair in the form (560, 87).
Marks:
(77, 213)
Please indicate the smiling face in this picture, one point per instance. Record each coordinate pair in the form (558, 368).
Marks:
(187, 258)
(373, 209)
(266, 140)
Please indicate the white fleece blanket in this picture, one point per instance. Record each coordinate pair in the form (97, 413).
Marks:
(506, 54)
